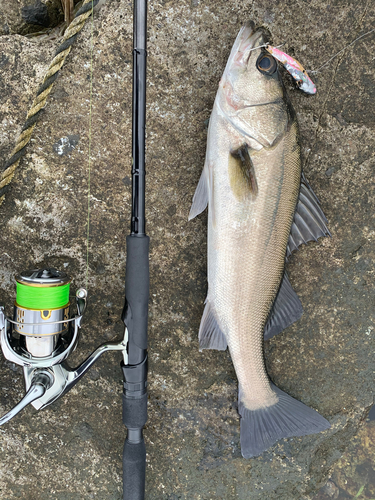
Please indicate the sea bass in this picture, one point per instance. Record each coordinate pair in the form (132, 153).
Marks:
(260, 209)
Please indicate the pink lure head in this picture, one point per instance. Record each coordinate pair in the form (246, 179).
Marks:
(295, 69)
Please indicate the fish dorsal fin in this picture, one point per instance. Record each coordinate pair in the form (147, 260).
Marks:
(286, 309)
(309, 221)
(241, 173)
(210, 334)
(201, 195)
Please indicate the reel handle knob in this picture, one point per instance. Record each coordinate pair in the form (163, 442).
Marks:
(40, 383)
(81, 298)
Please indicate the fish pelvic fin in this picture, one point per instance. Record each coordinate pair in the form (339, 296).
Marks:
(204, 194)
(262, 428)
(201, 195)
(210, 334)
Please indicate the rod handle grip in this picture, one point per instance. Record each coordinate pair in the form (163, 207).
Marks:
(134, 467)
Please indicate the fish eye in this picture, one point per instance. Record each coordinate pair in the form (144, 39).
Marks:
(266, 64)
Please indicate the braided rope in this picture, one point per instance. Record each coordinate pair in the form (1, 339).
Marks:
(7, 172)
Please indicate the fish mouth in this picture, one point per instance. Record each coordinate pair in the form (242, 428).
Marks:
(248, 39)
(251, 37)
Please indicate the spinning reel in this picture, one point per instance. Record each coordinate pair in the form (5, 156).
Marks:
(42, 335)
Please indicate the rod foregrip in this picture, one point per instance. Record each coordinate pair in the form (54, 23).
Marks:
(135, 312)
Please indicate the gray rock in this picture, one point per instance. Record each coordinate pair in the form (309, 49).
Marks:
(36, 14)
(331, 490)
(25, 16)
(330, 171)
(83, 430)
(65, 145)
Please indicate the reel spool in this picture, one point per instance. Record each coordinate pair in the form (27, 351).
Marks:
(41, 306)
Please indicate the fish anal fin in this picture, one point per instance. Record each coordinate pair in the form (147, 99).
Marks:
(262, 428)
(286, 309)
(309, 221)
(210, 334)
(241, 172)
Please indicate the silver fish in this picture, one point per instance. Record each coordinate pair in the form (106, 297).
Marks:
(260, 209)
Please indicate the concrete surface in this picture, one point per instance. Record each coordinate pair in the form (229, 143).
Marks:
(73, 448)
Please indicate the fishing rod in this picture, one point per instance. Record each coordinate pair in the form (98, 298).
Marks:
(42, 333)
(135, 312)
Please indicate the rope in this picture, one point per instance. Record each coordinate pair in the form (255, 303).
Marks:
(7, 172)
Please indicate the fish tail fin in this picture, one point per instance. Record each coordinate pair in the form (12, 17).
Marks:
(262, 428)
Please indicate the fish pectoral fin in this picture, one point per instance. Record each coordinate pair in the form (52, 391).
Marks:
(201, 195)
(309, 221)
(262, 428)
(286, 309)
(210, 334)
(241, 173)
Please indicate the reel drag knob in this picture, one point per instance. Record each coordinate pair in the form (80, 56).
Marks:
(42, 303)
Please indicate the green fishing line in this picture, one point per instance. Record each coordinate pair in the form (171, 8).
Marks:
(42, 298)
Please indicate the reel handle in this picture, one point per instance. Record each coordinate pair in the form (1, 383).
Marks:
(41, 382)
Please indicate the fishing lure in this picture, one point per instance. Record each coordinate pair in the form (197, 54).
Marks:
(293, 67)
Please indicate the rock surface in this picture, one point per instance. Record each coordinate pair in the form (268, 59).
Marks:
(354, 474)
(29, 16)
(73, 448)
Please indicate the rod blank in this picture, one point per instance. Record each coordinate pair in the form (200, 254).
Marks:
(135, 312)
